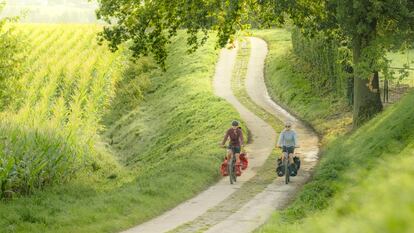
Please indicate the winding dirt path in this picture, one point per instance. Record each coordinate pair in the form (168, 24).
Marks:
(190, 216)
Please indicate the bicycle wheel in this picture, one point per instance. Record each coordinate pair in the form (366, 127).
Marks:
(287, 172)
(234, 169)
(231, 170)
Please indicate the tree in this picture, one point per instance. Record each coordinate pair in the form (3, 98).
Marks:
(371, 26)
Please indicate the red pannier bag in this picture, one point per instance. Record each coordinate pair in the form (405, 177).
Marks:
(238, 170)
(223, 168)
(244, 161)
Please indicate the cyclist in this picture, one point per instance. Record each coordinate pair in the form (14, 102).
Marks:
(288, 141)
(235, 135)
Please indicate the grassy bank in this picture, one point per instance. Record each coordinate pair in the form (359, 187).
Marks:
(362, 181)
(159, 151)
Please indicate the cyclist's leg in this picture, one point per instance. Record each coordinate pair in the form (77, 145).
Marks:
(236, 152)
(284, 151)
(229, 153)
(291, 151)
(238, 158)
(291, 158)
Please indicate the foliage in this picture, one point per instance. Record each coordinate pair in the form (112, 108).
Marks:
(11, 60)
(371, 27)
(150, 25)
(328, 61)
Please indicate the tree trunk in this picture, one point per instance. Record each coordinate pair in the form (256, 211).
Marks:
(367, 100)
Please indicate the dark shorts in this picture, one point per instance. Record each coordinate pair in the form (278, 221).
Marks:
(288, 149)
(234, 149)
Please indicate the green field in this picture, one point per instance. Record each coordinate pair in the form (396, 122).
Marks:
(362, 183)
(133, 141)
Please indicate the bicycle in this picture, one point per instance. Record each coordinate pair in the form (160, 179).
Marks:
(231, 166)
(286, 165)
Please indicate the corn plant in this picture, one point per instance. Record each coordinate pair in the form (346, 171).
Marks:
(53, 128)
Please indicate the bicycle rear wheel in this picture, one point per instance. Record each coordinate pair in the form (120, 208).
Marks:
(232, 170)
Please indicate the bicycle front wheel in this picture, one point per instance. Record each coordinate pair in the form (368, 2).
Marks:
(287, 172)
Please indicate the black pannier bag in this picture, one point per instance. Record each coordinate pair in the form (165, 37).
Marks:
(280, 170)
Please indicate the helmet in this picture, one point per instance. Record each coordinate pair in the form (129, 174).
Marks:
(235, 123)
(288, 123)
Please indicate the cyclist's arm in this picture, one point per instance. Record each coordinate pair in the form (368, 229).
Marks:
(241, 138)
(225, 138)
(280, 141)
(295, 138)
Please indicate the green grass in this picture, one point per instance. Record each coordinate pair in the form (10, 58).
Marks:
(363, 181)
(398, 60)
(154, 155)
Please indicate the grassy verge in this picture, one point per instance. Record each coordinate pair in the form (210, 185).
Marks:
(362, 181)
(165, 150)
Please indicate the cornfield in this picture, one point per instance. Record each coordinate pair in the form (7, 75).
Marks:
(52, 126)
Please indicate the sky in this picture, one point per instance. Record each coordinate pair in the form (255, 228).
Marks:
(51, 11)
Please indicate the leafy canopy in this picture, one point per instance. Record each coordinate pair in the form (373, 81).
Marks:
(150, 25)
(372, 26)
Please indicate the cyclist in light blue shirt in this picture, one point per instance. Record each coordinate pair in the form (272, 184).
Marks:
(288, 141)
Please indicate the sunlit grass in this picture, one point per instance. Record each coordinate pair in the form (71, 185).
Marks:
(400, 60)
